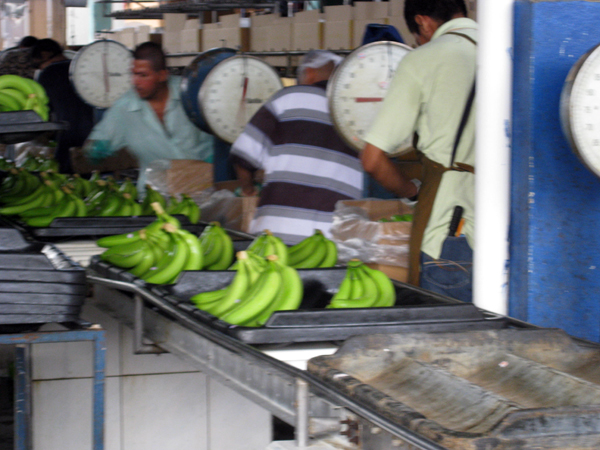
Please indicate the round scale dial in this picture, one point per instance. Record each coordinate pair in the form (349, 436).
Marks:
(233, 91)
(358, 87)
(580, 109)
(101, 72)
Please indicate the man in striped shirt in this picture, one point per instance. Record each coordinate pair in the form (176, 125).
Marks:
(307, 166)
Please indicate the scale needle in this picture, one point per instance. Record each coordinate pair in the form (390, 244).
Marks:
(106, 77)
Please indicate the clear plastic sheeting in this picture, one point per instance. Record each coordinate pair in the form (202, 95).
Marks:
(358, 233)
(223, 206)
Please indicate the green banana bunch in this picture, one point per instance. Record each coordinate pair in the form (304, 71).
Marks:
(5, 164)
(18, 184)
(129, 187)
(256, 292)
(152, 196)
(156, 253)
(20, 93)
(217, 247)
(364, 287)
(81, 186)
(315, 251)
(69, 205)
(185, 206)
(267, 244)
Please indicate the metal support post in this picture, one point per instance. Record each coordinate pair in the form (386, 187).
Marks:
(301, 413)
(22, 394)
(138, 331)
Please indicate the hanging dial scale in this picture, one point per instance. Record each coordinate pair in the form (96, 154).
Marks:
(358, 87)
(580, 109)
(222, 90)
(101, 72)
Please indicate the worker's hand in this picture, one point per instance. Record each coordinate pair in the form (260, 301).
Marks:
(249, 191)
(97, 151)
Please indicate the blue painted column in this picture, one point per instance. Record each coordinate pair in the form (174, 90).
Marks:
(555, 200)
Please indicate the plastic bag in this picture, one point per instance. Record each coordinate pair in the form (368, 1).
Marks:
(358, 233)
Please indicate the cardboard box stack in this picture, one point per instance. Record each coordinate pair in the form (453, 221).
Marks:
(307, 31)
(173, 24)
(225, 33)
(191, 36)
(364, 14)
(337, 29)
(279, 34)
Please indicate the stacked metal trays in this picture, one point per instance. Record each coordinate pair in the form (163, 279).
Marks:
(38, 283)
(416, 309)
(473, 390)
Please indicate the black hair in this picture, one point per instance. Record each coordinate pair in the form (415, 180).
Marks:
(46, 45)
(442, 10)
(150, 51)
(27, 42)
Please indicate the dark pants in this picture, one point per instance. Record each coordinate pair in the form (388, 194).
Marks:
(452, 274)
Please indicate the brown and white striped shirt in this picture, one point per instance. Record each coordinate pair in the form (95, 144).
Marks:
(307, 166)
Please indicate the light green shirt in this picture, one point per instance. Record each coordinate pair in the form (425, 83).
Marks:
(132, 123)
(428, 96)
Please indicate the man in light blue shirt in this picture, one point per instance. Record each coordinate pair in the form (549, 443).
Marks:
(149, 120)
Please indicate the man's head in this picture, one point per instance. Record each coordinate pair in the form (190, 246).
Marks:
(317, 65)
(424, 17)
(149, 70)
(46, 51)
(27, 42)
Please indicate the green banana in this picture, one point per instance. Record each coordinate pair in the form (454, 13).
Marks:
(194, 260)
(119, 239)
(38, 90)
(9, 102)
(343, 292)
(319, 251)
(172, 264)
(331, 254)
(212, 245)
(258, 298)
(17, 95)
(225, 258)
(234, 292)
(110, 205)
(288, 298)
(385, 286)
(303, 249)
(202, 300)
(147, 260)
(16, 82)
(125, 256)
(193, 212)
(22, 207)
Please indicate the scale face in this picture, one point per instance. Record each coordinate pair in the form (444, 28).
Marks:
(233, 91)
(580, 109)
(358, 87)
(101, 72)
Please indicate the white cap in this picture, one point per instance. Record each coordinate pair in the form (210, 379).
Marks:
(316, 59)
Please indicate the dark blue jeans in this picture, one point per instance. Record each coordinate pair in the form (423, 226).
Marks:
(452, 274)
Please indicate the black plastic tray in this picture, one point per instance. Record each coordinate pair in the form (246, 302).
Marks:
(23, 308)
(18, 319)
(96, 227)
(26, 287)
(22, 126)
(12, 239)
(24, 298)
(415, 310)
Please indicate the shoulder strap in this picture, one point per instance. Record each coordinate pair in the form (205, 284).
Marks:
(469, 104)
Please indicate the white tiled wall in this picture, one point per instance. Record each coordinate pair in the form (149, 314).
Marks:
(153, 402)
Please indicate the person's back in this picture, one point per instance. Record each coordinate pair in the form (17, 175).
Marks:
(66, 105)
(17, 60)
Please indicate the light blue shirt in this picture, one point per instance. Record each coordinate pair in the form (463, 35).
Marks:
(132, 123)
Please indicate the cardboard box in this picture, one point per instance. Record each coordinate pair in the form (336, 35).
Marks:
(230, 21)
(396, 8)
(142, 34)
(399, 23)
(174, 22)
(192, 24)
(308, 16)
(394, 272)
(307, 36)
(258, 38)
(337, 35)
(189, 176)
(359, 28)
(358, 232)
(338, 13)
(191, 40)
(279, 35)
(370, 10)
(171, 41)
(234, 213)
(126, 36)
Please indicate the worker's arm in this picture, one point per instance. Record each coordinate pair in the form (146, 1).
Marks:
(377, 164)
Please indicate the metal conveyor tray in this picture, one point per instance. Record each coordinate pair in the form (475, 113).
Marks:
(470, 390)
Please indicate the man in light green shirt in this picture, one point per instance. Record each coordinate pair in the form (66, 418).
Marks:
(427, 96)
(149, 119)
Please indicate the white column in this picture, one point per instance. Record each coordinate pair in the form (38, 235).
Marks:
(492, 198)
